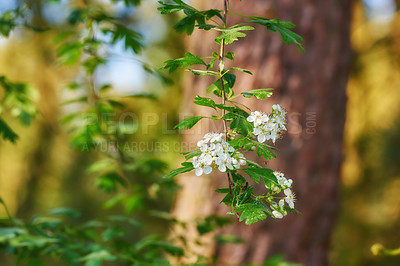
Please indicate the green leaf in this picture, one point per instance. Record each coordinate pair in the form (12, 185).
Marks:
(109, 182)
(99, 256)
(101, 165)
(7, 22)
(236, 111)
(204, 101)
(150, 96)
(230, 55)
(252, 212)
(46, 222)
(205, 26)
(6, 132)
(192, 154)
(69, 53)
(241, 70)
(283, 27)
(263, 150)
(238, 142)
(189, 122)
(187, 167)
(237, 179)
(258, 93)
(192, 15)
(266, 174)
(92, 63)
(112, 233)
(188, 60)
(242, 126)
(133, 203)
(232, 34)
(114, 201)
(204, 72)
(66, 211)
(132, 39)
(10, 232)
(229, 81)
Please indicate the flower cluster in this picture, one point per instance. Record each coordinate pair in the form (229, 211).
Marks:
(268, 127)
(216, 153)
(284, 184)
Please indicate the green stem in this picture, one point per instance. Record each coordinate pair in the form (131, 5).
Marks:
(221, 70)
(239, 15)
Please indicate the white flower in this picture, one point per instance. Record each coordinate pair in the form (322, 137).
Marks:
(223, 162)
(288, 183)
(268, 127)
(261, 133)
(206, 169)
(277, 214)
(290, 198)
(258, 118)
(216, 152)
(277, 209)
(202, 165)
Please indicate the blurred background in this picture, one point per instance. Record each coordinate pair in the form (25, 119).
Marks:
(41, 171)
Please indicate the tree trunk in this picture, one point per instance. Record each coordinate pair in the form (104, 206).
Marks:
(311, 86)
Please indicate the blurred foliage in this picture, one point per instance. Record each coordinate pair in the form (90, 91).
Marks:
(104, 143)
(371, 184)
(113, 173)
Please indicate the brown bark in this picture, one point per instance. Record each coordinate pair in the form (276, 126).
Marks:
(311, 87)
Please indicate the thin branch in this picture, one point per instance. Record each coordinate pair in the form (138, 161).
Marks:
(221, 70)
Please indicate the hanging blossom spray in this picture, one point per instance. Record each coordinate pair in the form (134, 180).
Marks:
(243, 132)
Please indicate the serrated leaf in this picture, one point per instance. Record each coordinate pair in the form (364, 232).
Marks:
(241, 125)
(241, 70)
(132, 39)
(192, 15)
(186, 167)
(188, 60)
(258, 93)
(232, 34)
(238, 142)
(252, 212)
(229, 81)
(266, 174)
(204, 101)
(6, 132)
(283, 27)
(263, 150)
(189, 122)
